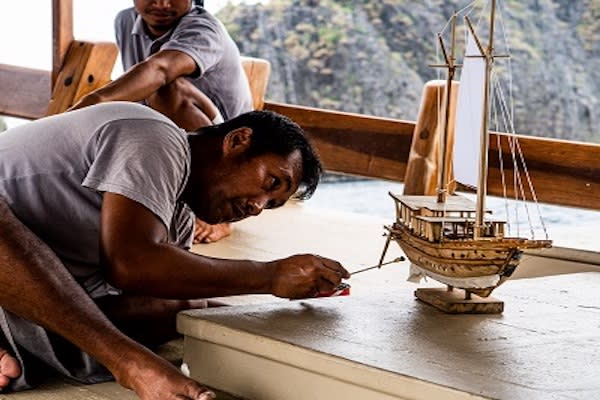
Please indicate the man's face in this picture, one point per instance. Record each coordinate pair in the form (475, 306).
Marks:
(161, 15)
(243, 187)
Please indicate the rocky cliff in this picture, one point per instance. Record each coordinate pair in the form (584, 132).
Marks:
(373, 57)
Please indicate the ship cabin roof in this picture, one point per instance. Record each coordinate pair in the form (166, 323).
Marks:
(453, 204)
(459, 220)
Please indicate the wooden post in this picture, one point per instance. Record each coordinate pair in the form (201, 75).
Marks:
(422, 166)
(87, 66)
(257, 71)
(62, 34)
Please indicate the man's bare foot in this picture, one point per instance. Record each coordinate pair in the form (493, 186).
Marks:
(157, 379)
(9, 368)
(219, 231)
(207, 233)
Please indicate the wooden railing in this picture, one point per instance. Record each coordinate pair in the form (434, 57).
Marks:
(77, 68)
(562, 172)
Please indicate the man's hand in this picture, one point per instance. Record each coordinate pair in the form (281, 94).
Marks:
(303, 276)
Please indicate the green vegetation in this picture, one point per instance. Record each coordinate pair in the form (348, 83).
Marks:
(373, 57)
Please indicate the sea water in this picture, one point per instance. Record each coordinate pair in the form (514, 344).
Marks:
(565, 226)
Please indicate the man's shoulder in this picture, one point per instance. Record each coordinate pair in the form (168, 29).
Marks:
(199, 19)
(200, 13)
(124, 25)
(126, 16)
(135, 129)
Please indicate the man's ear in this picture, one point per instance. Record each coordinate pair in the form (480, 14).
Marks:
(237, 141)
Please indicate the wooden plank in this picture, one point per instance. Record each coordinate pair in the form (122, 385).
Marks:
(87, 67)
(563, 172)
(62, 389)
(25, 92)
(62, 34)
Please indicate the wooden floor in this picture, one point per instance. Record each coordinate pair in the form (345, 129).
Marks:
(354, 240)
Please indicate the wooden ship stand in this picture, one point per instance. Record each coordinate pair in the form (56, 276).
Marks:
(431, 348)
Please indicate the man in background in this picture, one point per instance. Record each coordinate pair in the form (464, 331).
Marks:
(181, 61)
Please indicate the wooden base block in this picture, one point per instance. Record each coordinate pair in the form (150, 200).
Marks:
(454, 302)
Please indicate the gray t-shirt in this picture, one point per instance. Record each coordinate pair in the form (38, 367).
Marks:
(205, 39)
(54, 171)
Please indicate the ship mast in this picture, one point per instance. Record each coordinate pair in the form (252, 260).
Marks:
(442, 190)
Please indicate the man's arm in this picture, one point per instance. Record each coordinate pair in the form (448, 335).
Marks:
(139, 260)
(143, 79)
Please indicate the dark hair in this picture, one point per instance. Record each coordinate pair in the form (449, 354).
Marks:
(277, 134)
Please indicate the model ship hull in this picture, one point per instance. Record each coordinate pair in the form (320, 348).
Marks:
(475, 265)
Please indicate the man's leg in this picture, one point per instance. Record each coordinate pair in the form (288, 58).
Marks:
(185, 105)
(36, 286)
(148, 320)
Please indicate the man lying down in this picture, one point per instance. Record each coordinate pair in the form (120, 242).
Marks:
(96, 219)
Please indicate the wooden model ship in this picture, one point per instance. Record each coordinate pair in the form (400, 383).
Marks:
(450, 238)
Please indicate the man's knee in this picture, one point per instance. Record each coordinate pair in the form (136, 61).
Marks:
(169, 99)
(185, 104)
(5, 210)
(175, 92)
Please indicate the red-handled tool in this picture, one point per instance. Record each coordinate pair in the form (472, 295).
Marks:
(343, 289)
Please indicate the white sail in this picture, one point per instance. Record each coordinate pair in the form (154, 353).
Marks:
(469, 113)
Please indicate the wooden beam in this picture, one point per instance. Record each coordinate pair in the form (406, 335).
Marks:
(563, 172)
(87, 67)
(25, 92)
(62, 34)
